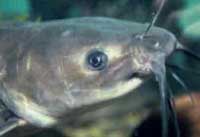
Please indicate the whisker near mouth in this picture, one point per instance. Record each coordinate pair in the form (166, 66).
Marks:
(186, 72)
(178, 79)
(183, 68)
(182, 84)
(190, 53)
(174, 117)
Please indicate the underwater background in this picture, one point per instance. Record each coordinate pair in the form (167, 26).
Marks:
(181, 17)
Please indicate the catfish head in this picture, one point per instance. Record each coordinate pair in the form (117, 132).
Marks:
(49, 69)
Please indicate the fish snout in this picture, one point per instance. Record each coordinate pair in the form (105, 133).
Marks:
(154, 48)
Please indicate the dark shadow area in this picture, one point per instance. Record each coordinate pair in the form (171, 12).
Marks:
(151, 127)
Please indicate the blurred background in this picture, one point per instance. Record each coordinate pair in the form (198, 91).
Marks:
(181, 17)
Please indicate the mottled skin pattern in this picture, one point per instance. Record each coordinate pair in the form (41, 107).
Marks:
(43, 69)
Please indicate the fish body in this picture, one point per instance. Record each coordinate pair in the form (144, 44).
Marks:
(45, 72)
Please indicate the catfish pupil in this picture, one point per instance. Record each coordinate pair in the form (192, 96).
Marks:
(97, 60)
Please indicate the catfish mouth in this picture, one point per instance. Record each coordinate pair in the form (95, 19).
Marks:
(123, 70)
(132, 75)
(137, 75)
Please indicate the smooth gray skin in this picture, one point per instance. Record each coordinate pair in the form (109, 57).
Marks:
(43, 71)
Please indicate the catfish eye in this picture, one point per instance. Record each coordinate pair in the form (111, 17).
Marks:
(97, 60)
